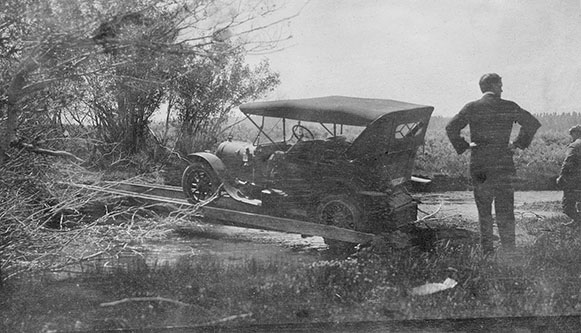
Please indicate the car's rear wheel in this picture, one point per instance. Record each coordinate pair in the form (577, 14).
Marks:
(199, 182)
(340, 210)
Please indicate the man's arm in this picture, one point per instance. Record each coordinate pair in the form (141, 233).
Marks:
(454, 128)
(529, 126)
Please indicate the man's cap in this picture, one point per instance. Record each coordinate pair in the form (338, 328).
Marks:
(575, 129)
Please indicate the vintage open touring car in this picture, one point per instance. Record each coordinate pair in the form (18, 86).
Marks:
(339, 161)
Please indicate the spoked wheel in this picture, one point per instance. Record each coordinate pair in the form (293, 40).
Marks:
(199, 182)
(340, 210)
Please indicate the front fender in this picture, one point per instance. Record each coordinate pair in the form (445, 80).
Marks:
(214, 161)
(227, 180)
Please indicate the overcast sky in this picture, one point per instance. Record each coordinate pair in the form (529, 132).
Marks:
(433, 52)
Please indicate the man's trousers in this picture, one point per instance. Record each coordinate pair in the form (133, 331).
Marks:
(495, 187)
(570, 200)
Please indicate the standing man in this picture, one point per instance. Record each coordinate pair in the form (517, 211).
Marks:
(491, 165)
(570, 178)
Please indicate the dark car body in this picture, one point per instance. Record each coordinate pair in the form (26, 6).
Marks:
(355, 183)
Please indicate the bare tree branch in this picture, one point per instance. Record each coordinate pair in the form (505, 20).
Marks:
(57, 153)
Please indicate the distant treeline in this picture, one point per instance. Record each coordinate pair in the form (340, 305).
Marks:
(551, 122)
(537, 166)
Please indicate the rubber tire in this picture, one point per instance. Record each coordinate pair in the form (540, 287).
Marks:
(356, 218)
(200, 174)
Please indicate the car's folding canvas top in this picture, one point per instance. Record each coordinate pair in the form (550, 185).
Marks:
(332, 109)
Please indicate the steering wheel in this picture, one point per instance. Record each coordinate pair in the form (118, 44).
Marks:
(301, 134)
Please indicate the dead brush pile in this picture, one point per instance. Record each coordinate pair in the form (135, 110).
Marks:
(23, 201)
(48, 222)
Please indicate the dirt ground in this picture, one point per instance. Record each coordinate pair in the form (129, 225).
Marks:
(459, 206)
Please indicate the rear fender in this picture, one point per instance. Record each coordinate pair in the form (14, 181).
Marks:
(345, 186)
(340, 186)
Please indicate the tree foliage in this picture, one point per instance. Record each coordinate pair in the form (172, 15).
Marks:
(209, 89)
(109, 65)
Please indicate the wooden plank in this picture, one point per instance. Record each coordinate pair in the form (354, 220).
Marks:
(287, 225)
(253, 219)
(158, 190)
(126, 193)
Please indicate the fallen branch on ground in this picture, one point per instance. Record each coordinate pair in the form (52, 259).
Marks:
(144, 299)
(429, 215)
(230, 318)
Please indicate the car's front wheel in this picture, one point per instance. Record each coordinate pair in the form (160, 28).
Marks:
(340, 210)
(199, 182)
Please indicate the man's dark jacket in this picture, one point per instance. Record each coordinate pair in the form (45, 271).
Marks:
(570, 175)
(491, 120)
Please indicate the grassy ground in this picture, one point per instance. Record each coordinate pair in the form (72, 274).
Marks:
(539, 280)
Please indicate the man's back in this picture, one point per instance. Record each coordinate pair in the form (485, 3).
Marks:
(491, 119)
